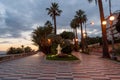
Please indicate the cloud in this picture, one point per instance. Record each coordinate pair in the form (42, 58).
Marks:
(20, 16)
(5, 42)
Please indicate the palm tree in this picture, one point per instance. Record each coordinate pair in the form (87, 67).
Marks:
(54, 11)
(110, 6)
(48, 23)
(81, 19)
(103, 27)
(75, 25)
(39, 36)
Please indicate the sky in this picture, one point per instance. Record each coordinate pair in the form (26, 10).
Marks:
(18, 18)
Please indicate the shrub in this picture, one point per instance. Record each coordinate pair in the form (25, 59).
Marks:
(55, 40)
(53, 48)
(117, 50)
(61, 58)
(67, 47)
(11, 50)
(18, 50)
(27, 49)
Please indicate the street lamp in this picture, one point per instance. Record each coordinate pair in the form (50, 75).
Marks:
(104, 22)
(75, 42)
(91, 23)
(111, 19)
(49, 45)
(85, 34)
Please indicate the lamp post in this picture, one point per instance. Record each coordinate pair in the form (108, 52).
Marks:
(49, 45)
(85, 34)
(75, 42)
(111, 19)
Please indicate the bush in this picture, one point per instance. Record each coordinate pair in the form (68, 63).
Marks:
(117, 50)
(67, 47)
(27, 49)
(61, 58)
(53, 48)
(18, 50)
(55, 40)
(11, 50)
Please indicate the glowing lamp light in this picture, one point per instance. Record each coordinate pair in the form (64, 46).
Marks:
(92, 23)
(112, 18)
(76, 39)
(49, 40)
(104, 22)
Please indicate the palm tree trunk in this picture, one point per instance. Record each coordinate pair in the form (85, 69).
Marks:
(110, 6)
(76, 36)
(39, 47)
(104, 36)
(54, 24)
(82, 39)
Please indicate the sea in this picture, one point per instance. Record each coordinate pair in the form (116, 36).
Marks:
(3, 53)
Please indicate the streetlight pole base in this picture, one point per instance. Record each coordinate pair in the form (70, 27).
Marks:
(114, 57)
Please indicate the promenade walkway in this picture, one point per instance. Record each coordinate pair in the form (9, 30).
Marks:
(35, 67)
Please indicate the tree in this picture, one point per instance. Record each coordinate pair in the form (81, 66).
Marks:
(27, 49)
(11, 50)
(39, 36)
(22, 46)
(118, 24)
(81, 19)
(74, 25)
(103, 27)
(67, 35)
(54, 11)
(48, 24)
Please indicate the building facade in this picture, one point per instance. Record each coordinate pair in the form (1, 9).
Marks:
(112, 33)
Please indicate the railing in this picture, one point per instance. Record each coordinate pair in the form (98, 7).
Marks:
(15, 56)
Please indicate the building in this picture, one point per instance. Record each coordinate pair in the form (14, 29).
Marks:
(111, 28)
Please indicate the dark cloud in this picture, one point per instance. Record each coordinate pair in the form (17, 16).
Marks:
(20, 16)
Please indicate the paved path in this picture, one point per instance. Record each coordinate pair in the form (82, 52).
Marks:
(36, 68)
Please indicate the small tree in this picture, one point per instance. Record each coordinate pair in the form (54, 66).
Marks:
(27, 49)
(11, 50)
(67, 35)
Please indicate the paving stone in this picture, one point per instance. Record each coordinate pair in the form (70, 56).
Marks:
(33, 67)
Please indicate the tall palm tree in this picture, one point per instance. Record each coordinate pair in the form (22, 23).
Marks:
(110, 6)
(103, 27)
(48, 23)
(75, 25)
(109, 1)
(81, 19)
(54, 11)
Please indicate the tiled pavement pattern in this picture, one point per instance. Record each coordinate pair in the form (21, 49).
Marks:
(36, 68)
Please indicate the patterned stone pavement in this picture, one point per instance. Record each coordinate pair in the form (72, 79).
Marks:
(35, 67)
